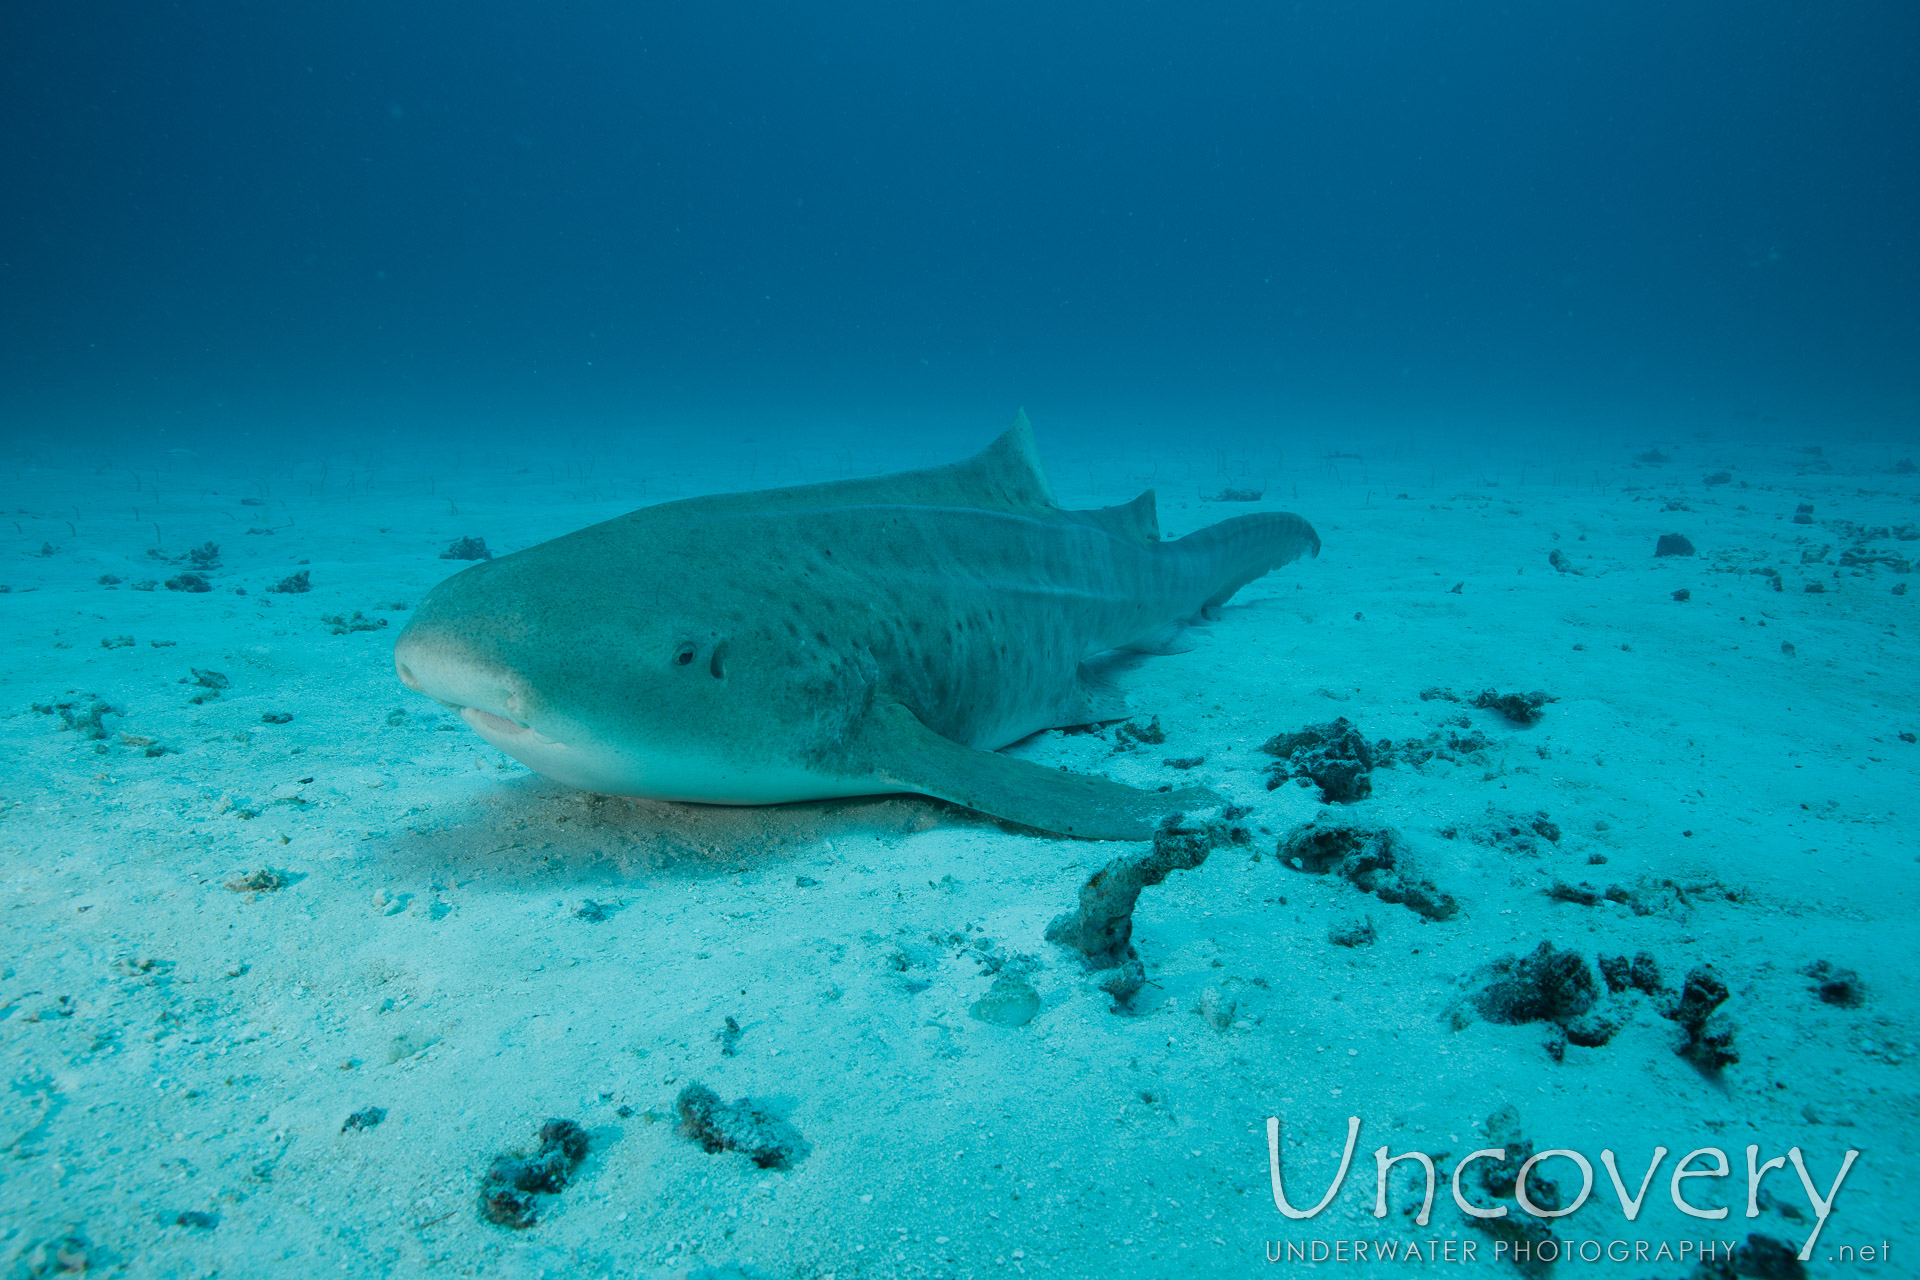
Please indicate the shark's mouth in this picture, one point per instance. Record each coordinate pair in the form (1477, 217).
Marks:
(490, 726)
(510, 736)
(579, 764)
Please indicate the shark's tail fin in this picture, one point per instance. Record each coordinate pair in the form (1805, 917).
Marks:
(1234, 552)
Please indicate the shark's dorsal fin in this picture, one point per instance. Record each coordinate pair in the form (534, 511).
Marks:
(1004, 476)
(1007, 472)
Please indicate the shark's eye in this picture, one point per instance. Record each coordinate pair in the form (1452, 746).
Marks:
(683, 656)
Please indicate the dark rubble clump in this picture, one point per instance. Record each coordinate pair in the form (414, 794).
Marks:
(1123, 983)
(1337, 758)
(82, 718)
(1673, 544)
(1373, 859)
(1708, 1038)
(1358, 932)
(1521, 708)
(468, 548)
(1129, 736)
(1758, 1257)
(1453, 742)
(1513, 832)
(1333, 756)
(1642, 974)
(743, 1125)
(263, 880)
(1498, 1180)
(510, 1193)
(1662, 896)
(210, 683)
(1583, 893)
(338, 624)
(1548, 985)
(1836, 986)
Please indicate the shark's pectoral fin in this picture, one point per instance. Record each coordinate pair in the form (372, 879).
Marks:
(899, 750)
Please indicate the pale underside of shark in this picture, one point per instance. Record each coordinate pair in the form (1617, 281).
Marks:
(858, 637)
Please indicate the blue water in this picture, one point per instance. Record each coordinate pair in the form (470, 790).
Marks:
(499, 215)
(1507, 300)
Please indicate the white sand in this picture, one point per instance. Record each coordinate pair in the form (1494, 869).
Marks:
(173, 1045)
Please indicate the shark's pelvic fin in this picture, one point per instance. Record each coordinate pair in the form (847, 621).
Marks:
(1169, 637)
(1096, 699)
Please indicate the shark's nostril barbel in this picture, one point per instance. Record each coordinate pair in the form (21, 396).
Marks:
(407, 677)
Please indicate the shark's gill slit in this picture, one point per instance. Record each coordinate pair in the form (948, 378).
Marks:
(718, 663)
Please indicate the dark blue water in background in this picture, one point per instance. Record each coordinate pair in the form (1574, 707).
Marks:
(492, 216)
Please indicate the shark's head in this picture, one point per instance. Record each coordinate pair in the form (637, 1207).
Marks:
(606, 682)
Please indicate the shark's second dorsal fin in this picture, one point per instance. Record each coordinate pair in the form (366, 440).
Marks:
(1136, 521)
(1007, 472)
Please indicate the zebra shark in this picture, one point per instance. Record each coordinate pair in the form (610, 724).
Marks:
(857, 637)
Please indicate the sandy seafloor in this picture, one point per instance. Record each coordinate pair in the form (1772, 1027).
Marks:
(172, 1045)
